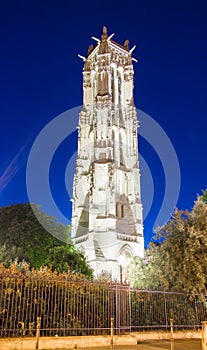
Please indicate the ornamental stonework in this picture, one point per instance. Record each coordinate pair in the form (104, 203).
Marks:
(107, 222)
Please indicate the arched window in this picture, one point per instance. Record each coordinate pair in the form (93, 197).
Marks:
(94, 86)
(119, 90)
(112, 85)
(122, 210)
(119, 210)
(121, 145)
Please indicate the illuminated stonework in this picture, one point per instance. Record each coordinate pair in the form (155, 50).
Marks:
(107, 219)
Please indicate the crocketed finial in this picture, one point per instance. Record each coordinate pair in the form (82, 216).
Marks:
(104, 30)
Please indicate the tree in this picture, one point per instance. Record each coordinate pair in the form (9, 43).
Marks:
(148, 273)
(179, 261)
(203, 197)
(22, 237)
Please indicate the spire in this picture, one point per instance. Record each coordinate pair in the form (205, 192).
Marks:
(104, 36)
(104, 43)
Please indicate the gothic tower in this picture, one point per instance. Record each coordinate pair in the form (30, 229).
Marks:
(107, 222)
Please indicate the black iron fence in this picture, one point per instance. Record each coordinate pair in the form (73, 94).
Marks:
(83, 308)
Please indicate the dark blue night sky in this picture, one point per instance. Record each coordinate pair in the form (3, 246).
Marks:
(41, 77)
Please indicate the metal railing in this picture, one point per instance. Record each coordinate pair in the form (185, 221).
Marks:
(85, 308)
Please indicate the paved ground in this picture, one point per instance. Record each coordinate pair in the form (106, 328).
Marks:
(164, 344)
(158, 345)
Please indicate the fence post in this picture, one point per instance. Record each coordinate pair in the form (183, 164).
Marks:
(166, 316)
(38, 333)
(130, 310)
(118, 309)
(204, 335)
(171, 335)
(112, 333)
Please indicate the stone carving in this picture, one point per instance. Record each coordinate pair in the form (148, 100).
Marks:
(90, 49)
(126, 45)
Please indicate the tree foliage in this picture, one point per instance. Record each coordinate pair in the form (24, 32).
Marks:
(203, 197)
(179, 261)
(23, 237)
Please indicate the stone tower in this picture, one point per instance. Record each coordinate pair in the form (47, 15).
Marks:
(107, 222)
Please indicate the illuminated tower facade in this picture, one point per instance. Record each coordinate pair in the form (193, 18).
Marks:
(107, 223)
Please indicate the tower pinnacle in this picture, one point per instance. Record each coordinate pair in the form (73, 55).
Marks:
(104, 30)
